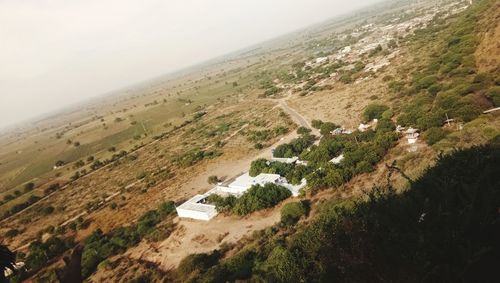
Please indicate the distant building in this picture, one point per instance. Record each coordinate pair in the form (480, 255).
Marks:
(340, 131)
(412, 135)
(363, 127)
(321, 60)
(399, 129)
(17, 266)
(338, 159)
(286, 160)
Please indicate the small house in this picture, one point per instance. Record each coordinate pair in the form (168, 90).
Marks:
(363, 127)
(338, 159)
(291, 160)
(412, 135)
(197, 208)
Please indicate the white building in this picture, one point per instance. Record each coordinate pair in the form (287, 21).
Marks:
(363, 127)
(340, 131)
(321, 60)
(412, 135)
(294, 189)
(285, 160)
(196, 208)
(245, 181)
(8, 272)
(338, 159)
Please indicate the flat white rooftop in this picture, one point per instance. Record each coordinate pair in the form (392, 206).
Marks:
(285, 160)
(246, 181)
(194, 208)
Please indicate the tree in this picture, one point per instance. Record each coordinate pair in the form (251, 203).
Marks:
(433, 135)
(11, 233)
(213, 180)
(282, 266)
(260, 197)
(257, 166)
(327, 127)
(316, 124)
(374, 111)
(28, 187)
(292, 212)
(303, 131)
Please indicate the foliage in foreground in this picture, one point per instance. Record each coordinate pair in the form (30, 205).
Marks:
(445, 228)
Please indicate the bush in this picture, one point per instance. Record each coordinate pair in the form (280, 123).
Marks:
(345, 78)
(295, 147)
(292, 212)
(28, 187)
(40, 253)
(374, 111)
(222, 204)
(213, 180)
(316, 124)
(433, 135)
(260, 197)
(47, 210)
(327, 127)
(166, 208)
(494, 95)
(303, 131)
(11, 233)
(195, 262)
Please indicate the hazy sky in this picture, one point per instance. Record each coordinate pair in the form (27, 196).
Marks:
(57, 52)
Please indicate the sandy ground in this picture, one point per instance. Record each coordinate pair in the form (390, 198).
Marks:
(193, 236)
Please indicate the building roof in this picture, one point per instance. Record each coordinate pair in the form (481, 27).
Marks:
(411, 130)
(336, 160)
(285, 160)
(246, 181)
(193, 204)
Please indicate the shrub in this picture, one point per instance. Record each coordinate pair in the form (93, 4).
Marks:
(316, 124)
(195, 262)
(28, 187)
(260, 197)
(166, 208)
(433, 135)
(345, 78)
(374, 111)
(47, 210)
(303, 131)
(295, 147)
(213, 180)
(222, 204)
(11, 233)
(292, 212)
(327, 127)
(494, 95)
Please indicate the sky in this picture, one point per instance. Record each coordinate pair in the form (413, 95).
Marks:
(54, 53)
